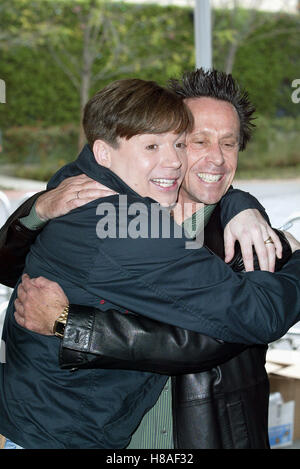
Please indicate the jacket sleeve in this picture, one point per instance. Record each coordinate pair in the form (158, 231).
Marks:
(235, 201)
(131, 342)
(15, 242)
(16, 239)
(194, 289)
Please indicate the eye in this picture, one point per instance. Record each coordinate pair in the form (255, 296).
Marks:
(153, 146)
(181, 145)
(197, 141)
(229, 144)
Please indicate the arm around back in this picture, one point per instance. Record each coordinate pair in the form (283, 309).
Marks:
(15, 242)
(136, 342)
(131, 342)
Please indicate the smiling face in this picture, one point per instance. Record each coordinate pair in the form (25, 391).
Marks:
(212, 150)
(153, 165)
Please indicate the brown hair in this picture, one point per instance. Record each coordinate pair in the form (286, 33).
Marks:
(131, 107)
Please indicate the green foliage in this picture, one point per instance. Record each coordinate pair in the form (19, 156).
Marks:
(267, 59)
(36, 90)
(268, 63)
(159, 44)
(158, 40)
(275, 145)
(41, 116)
(37, 152)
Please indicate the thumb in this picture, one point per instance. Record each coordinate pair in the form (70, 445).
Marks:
(229, 242)
(25, 277)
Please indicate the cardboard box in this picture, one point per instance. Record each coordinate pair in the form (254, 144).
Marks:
(281, 421)
(283, 367)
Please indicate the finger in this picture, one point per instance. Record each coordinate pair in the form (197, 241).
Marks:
(78, 202)
(266, 253)
(74, 182)
(247, 254)
(75, 203)
(229, 243)
(36, 282)
(21, 292)
(41, 282)
(79, 179)
(91, 183)
(277, 243)
(27, 283)
(81, 182)
(271, 250)
(94, 193)
(21, 286)
(19, 307)
(19, 319)
(262, 254)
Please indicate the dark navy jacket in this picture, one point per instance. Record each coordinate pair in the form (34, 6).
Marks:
(43, 406)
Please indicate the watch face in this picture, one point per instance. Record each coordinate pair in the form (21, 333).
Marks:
(59, 328)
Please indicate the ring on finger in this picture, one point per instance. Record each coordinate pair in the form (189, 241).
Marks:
(269, 240)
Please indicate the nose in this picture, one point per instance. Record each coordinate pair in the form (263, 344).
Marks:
(215, 154)
(172, 158)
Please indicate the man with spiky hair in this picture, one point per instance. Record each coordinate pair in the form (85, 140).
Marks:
(218, 85)
(225, 417)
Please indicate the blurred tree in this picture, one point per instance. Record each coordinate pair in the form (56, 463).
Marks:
(98, 29)
(240, 26)
(91, 41)
(54, 55)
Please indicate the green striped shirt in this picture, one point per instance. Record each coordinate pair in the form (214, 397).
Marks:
(156, 428)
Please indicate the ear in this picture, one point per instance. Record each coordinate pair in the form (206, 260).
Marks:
(102, 153)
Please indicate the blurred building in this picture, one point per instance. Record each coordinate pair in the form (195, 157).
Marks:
(288, 6)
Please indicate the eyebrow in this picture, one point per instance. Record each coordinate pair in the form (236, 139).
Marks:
(204, 132)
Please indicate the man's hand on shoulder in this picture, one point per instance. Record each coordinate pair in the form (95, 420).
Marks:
(73, 192)
(39, 303)
(250, 229)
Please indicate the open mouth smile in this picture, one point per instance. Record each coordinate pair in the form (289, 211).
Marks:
(208, 177)
(164, 183)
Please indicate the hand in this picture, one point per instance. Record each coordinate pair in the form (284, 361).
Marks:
(73, 192)
(39, 303)
(294, 243)
(249, 228)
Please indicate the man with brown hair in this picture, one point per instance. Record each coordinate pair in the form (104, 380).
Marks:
(150, 276)
(42, 406)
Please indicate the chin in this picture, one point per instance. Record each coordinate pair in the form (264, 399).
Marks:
(167, 203)
(212, 198)
(209, 199)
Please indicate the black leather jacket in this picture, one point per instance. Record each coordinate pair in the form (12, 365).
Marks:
(224, 406)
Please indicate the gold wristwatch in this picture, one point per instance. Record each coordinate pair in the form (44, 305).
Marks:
(60, 323)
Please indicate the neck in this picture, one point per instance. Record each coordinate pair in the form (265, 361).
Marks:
(186, 207)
